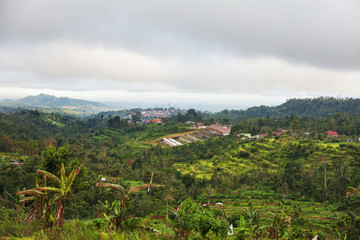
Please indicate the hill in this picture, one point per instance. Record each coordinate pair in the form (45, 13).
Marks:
(66, 105)
(307, 181)
(315, 107)
(45, 100)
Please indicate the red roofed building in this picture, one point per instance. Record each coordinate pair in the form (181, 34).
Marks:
(157, 121)
(225, 130)
(331, 133)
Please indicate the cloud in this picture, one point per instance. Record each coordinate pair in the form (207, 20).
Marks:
(274, 48)
(322, 33)
(126, 99)
(65, 65)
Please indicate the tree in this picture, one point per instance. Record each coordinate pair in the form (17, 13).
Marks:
(5, 143)
(136, 117)
(294, 124)
(180, 118)
(285, 189)
(191, 115)
(53, 158)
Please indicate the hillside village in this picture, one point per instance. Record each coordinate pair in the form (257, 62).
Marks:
(151, 114)
(202, 133)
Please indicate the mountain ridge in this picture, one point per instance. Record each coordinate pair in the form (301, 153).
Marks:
(46, 100)
(315, 107)
(66, 105)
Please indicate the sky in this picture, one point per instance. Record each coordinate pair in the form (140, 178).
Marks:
(205, 54)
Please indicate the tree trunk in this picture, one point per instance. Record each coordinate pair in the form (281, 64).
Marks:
(325, 181)
(60, 212)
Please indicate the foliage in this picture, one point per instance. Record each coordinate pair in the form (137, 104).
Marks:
(48, 201)
(189, 218)
(300, 173)
(118, 208)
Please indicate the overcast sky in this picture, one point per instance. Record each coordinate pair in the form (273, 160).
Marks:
(209, 54)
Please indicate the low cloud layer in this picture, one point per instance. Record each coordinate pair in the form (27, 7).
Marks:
(276, 49)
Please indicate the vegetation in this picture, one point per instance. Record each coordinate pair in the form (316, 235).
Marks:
(111, 178)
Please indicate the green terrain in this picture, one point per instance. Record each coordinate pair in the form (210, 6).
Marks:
(106, 177)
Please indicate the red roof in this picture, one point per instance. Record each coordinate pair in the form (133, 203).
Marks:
(331, 133)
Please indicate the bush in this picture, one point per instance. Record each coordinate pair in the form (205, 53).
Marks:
(234, 219)
(321, 236)
(132, 223)
(342, 207)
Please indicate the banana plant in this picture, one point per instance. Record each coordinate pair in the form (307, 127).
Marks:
(190, 217)
(117, 213)
(118, 208)
(48, 201)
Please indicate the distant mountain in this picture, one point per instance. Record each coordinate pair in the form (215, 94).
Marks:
(45, 100)
(63, 104)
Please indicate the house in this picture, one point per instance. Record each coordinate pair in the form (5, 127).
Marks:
(157, 120)
(200, 125)
(278, 133)
(262, 135)
(331, 133)
(224, 130)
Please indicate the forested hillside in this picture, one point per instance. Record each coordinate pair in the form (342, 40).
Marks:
(112, 178)
(315, 107)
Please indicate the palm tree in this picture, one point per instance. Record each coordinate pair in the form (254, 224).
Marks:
(47, 196)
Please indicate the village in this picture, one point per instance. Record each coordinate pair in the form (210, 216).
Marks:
(156, 113)
(202, 133)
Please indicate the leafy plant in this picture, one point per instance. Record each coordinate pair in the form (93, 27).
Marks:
(244, 230)
(48, 201)
(117, 207)
(190, 217)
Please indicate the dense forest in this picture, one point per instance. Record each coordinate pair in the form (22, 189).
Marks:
(314, 107)
(111, 178)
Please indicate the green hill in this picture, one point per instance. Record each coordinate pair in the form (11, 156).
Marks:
(51, 103)
(315, 107)
(45, 100)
